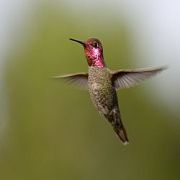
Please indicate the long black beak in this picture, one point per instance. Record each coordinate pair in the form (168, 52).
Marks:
(80, 42)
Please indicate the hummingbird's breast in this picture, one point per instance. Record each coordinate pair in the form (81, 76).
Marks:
(101, 90)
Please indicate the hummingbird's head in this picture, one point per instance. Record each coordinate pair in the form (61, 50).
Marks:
(94, 52)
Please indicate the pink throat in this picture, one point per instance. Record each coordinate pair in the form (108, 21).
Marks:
(98, 63)
(95, 58)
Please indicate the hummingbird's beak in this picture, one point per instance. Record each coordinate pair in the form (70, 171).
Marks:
(80, 42)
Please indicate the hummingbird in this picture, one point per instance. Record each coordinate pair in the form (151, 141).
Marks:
(103, 83)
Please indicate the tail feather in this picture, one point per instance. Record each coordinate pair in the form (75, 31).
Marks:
(115, 120)
(121, 132)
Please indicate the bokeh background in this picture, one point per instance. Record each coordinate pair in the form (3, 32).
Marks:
(49, 130)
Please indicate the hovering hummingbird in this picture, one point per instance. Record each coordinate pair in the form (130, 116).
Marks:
(103, 83)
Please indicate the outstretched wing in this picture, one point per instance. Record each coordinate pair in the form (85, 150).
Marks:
(79, 79)
(128, 78)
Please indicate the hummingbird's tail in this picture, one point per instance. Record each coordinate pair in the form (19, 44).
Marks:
(121, 132)
(118, 126)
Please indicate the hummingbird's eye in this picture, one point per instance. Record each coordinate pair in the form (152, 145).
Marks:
(95, 45)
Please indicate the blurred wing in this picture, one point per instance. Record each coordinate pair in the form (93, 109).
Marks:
(79, 79)
(129, 78)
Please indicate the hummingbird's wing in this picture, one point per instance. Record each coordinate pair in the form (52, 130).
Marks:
(128, 78)
(79, 79)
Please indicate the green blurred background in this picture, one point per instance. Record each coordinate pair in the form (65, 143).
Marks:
(50, 130)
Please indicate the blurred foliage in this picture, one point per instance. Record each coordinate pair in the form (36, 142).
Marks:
(54, 130)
